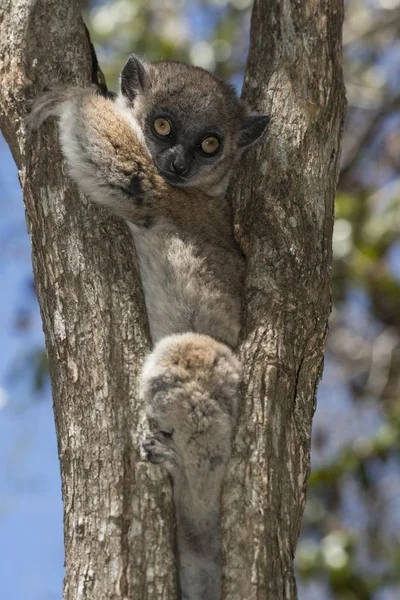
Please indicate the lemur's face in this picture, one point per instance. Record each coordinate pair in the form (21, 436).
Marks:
(194, 125)
(185, 148)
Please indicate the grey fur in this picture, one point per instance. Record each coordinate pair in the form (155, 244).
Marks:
(191, 386)
(191, 270)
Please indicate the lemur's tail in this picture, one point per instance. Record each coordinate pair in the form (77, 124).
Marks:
(190, 384)
(199, 556)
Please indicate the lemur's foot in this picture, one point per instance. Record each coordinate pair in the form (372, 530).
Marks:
(159, 449)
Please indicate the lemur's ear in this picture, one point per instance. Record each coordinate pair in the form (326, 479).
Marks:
(133, 77)
(253, 127)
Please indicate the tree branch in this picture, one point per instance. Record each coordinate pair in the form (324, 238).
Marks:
(95, 328)
(284, 198)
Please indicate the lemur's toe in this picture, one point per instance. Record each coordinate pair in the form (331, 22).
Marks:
(158, 452)
(148, 443)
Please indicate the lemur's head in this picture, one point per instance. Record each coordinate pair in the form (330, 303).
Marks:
(194, 125)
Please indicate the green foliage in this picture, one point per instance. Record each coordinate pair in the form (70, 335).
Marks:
(170, 30)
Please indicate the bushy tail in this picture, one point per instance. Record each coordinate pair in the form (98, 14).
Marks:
(199, 555)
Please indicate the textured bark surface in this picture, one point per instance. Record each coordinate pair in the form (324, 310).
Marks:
(283, 199)
(118, 512)
(96, 333)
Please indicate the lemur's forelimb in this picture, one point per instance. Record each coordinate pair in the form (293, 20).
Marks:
(105, 153)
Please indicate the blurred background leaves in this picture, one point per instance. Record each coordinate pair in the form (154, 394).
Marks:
(350, 544)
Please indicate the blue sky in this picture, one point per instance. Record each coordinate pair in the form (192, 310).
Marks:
(31, 545)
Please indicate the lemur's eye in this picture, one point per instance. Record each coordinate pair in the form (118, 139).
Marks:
(210, 145)
(162, 126)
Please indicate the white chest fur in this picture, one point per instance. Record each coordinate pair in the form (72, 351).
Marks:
(181, 290)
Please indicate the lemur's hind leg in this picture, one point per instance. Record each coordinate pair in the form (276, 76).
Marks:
(192, 373)
(190, 384)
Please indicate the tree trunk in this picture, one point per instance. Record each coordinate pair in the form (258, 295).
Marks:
(284, 199)
(118, 521)
(95, 326)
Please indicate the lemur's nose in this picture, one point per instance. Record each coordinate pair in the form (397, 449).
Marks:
(179, 165)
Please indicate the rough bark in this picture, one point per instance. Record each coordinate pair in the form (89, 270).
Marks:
(95, 327)
(117, 511)
(284, 197)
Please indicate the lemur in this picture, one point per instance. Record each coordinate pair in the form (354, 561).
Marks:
(160, 155)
